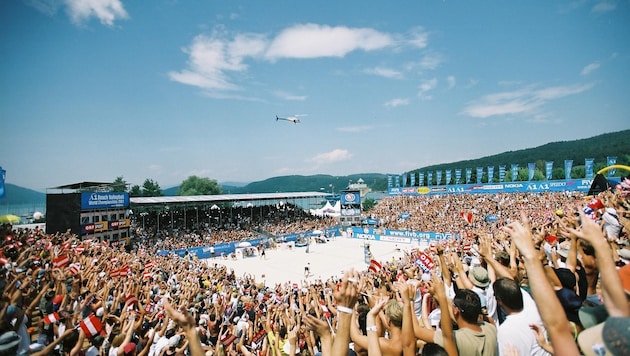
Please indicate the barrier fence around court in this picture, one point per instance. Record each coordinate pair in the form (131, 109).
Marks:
(369, 234)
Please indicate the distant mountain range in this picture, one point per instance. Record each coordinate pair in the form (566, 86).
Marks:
(598, 147)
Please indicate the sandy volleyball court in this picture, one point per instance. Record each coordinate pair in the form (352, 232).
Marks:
(326, 260)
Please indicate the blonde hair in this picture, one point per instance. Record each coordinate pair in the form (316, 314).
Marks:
(393, 309)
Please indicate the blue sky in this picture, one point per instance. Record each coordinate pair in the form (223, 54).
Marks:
(166, 89)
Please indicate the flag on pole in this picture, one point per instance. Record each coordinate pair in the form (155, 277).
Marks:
(228, 339)
(131, 299)
(322, 304)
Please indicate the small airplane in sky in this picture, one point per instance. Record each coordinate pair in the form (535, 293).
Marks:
(294, 119)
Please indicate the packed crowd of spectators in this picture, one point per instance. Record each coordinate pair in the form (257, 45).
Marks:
(547, 278)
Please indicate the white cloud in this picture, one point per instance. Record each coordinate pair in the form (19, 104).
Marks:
(526, 100)
(316, 41)
(216, 61)
(451, 82)
(589, 68)
(397, 102)
(385, 72)
(335, 155)
(106, 11)
(426, 86)
(604, 6)
(354, 129)
(431, 61)
(419, 38)
(288, 96)
(211, 57)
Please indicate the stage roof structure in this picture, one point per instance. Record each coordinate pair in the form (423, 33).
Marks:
(222, 198)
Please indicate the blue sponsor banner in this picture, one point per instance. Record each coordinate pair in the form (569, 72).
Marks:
(390, 183)
(420, 178)
(3, 176)
(490, 174)
(404, 179)
(531, 168)
(580, 185)
(588, 167)
(468, 175)
(611, 160)
(398, 236)
(501, 174)
(458, 176)
(479, 174)
(104, 200)
(548, 170)
(448, 177)
(413, 179)
(438, 175)
(568, 165)
(514, 172)
(397, 181)
(430, 178)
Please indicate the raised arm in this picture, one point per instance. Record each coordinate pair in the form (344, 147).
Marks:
(557, 324)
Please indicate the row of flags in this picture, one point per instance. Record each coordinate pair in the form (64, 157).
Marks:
(413, 179)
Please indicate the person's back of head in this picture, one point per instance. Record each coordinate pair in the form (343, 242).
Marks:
(509, 293)
(433, 349)
(468, 304)
(394, 311)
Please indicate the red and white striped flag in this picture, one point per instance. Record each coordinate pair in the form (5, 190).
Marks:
(74, 268)
(150, 265)
(79, 250)
(87, 241)
(115, 273)
(125, 271)
(375, 266)
(91, 326)
(467, 216)
(51, 318)
(131, 299)
(113, 260)
(61, 262)
(228, 339)
(49, 245)
(467, 246)
(322, 304)
(147, 274)
(65, 246)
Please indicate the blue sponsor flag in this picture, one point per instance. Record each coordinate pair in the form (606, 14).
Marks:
(421, 178)
(568, 165)
(479, 174)
(531, 167)
(397, 181)
(439, 177)
(448, 177)
(468, 175)
(430, 178)
(514, 172)
(458, 176)
(588, 167)
(3, 175)
(501, 174)
(548, 169)
(490, 174)
(611, 160)
(413, 179)
(390, 182)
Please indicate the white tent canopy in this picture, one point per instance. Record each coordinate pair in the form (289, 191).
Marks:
(328, 210)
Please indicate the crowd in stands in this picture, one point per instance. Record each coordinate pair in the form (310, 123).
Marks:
(551, 276)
